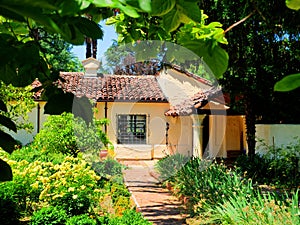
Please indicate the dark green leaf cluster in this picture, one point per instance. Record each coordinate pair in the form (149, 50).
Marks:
(9, 213)
(279, 166)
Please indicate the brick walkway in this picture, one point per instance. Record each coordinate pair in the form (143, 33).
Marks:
(153, 201)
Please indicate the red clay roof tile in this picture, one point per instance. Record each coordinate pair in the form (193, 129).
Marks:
(113, 87)
(197, 101)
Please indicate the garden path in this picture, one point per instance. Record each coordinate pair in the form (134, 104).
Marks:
(155, 202)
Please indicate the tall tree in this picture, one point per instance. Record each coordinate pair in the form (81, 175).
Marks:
(263, 47)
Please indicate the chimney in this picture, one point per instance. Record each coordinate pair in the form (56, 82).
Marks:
(91, 66)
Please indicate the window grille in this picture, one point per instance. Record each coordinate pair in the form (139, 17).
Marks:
(131, 129)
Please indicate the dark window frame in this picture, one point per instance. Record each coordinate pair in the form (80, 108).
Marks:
(131, 129)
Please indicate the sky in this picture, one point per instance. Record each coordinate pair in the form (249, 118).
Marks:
(108, 37)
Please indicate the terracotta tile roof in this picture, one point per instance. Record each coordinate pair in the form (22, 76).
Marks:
(113, 87)
(197, 101)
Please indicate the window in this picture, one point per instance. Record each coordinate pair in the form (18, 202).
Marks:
(131, 129)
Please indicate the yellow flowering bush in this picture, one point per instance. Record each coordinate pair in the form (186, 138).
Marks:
(70, 184)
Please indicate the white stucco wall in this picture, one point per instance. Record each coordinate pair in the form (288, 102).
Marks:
(156, 128)
(181, 135)
(282, 134)
(25, 137)
(179, 87)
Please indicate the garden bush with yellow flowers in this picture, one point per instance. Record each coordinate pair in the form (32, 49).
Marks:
(59, 188)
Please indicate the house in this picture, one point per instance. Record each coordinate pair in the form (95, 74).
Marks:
(168, 111)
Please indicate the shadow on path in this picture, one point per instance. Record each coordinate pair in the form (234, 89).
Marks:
(153, 201)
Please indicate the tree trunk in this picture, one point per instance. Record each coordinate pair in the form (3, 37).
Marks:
(88, 42)
(250, 124)
(94, 42)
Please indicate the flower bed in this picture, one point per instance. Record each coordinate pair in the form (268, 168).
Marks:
(219, 195)
(54, 183)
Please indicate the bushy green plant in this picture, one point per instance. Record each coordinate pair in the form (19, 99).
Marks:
(204, 181)
(49, 216)
(83, 219)
(71, 184)
(256, 168)
(129, 217)
(170, 165)
(278, 166)
(118, 190)
(68, 135)
(264, 209)
(108, 167)
(73, 203)
(33, 153)
(9, 209)
(25, 187)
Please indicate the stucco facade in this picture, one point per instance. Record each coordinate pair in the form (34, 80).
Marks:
(37, 118)
(275, 135)
(162, 107)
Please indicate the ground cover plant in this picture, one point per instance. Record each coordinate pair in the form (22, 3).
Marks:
(277, 166)
(217, 194)
(62, 188)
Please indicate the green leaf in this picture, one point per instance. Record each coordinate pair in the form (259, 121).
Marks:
(162, 7)
(171, 20)
(58, 103)
(104, 3)
(190, 10)
(3, 106)
(288, 83)
(293, 4)
(128, 10)
(5, 171)
(7, 122)
(11, 15)
(7, 142)
(216, 58)
(145, 5)
(83, 108)
(70, 7)
(88, 28)
(8, 73)
(36, 14)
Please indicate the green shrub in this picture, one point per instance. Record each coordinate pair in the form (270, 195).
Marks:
(73, 203)
(170, 165)
(72, 185)
(9, 210)
(118, 190)
(264, 209)
(129, 217)
(48, 216)
(83, 219)
(278, 166)
(68, 135)
(108, 167)
(25, 187)
(204, 181)
(33, 153)
(257, 168)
